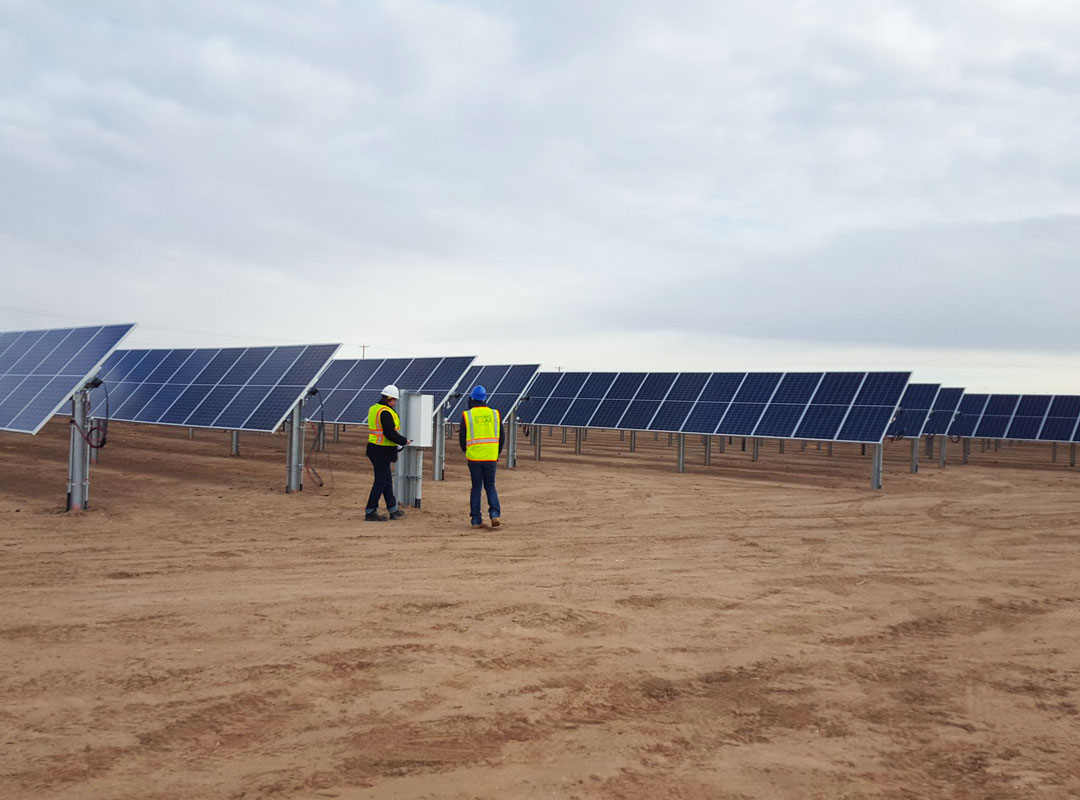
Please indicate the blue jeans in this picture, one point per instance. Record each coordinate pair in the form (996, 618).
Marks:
(381, 487)
(483, 474)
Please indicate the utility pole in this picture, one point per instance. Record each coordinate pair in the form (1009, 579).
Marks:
(363, 350)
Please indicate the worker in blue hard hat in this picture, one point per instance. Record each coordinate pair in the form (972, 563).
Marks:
(481, 440)
(383, 441)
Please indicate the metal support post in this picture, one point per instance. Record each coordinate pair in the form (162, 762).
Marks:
(875, 469)
(537, 435)
(585, 434)
(997, 445)
(929, 446)
(337, 434)
(914, 456)
(723, 443)
(438, 442)
(829, 450)
(633, 441)
(682, 452)
(942, 446)
(757, 448)
(966, 451)
(670, 438)
(622, 436)
(564, 435)
(294, 464)
(656, 436)
(1072, 455)
(511, 441)
(320, 437)
(743, 448)
(802, 447)
(782, 443)
(708, 449)
(191, 433)
(234, 443)
(863, 450)
(982, 445)
(93, 450)
(1053, 452)
(78, 488)
(577, 440)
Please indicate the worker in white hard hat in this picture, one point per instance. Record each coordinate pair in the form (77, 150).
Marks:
(382, 449)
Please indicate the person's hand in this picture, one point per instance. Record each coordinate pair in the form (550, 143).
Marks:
(409, 442)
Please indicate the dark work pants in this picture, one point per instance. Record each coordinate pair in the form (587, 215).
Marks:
(382, 487)
(483, 475)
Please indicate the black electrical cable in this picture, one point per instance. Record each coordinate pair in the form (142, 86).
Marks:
(96, 436)
(308, 465)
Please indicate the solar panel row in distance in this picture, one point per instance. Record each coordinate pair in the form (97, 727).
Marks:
(349, 387)
(915, 407)
(236, 388)
(40, 370)
(834, 406)
(1023, 417)
(505, 384)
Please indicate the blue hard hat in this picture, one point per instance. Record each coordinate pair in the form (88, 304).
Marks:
(478, 393)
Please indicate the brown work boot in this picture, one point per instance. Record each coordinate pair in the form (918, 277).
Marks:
(495, 522)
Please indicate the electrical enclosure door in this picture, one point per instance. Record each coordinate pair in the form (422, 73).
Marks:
(416, 420)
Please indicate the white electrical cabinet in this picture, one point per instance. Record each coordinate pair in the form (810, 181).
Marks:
(416, 419)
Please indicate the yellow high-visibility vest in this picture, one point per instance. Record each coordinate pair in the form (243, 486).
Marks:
(376, 435)
(482, 425)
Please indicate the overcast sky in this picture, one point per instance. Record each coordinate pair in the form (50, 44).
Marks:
(595, 184)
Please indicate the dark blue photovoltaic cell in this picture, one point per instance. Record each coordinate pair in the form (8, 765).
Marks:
(357, 408)
(231, 408)
(867, 423)
(169, 366)
(517, 379)
(758, 387)
(488, 377)
(656, 386)
(797, 388)
(145, 365)
(1065, 405)
(882, 389)
(1057, 429)
(993, 426)
(780, 419)
(597, 385)
(543, 384)
(609, 413)
(940, 419)
(387, 373)
(310, 362)
(274, 408)
(626, 386)
(948, 399)
(639, 414)
(704, 418)
(180, 410)
(144, 392)
(967, 416)
(919, 395)
(503, 402)
(580, 412)
(467, 382)
(417, 373)
(1024, 427)
(333, 374)
(40, 370)
(1033, 405)
(688, 386)
(116, 362)
(219, 365)
(245, 367)
(570, 385)
(671, 416)
(821, 422)
(447, 375)
(328, 405)
(722, 387)
(215, 402)
(190, 370)
(553, 411)
(837, 389)
(741, 418)
(1002, 404)
(357, 377)
(160, 403)
(914, 409)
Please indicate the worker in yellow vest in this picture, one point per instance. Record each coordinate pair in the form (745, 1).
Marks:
(481, 439)
(382, 449)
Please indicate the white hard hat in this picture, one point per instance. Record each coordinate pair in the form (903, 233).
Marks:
(391, 391)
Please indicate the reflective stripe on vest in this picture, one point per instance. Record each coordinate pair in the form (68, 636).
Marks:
(376, 435)
(482, 426)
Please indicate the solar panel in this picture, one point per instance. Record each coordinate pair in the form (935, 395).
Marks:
(349, 387)
(40, 370)
(942, 412)
(840, 406)
(1028, 417)
(236, 388)
(505, 385)
(914, 409)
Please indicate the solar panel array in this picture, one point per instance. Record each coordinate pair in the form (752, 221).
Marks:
(235, 388)
(349, 387)
(830, 406)
(1030, 417)
(40, 370)
(943, 411)
(505, 384)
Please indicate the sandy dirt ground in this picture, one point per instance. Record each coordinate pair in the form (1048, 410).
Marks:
(744, 630)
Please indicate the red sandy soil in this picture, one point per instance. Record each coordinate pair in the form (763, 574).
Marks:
(744, 630)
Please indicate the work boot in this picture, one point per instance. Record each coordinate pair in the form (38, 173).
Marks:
(397, 514)
(478, 524)
(495, 522)
(374, 516)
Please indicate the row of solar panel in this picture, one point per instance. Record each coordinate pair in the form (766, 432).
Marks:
(926, 409)
(504, 383)
(349, 387)
(241, 388)
(40, 370)
(839, 406)
(1038, 417)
